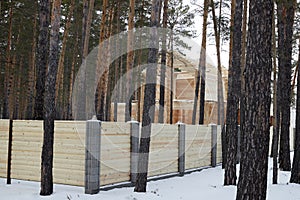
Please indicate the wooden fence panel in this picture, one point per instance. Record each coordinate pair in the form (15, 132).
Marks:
(4, 134)
(26, 150)
(163, 157)
(69, 152)
(198, 146)
(115, 152)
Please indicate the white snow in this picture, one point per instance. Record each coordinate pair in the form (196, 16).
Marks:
(206, 184)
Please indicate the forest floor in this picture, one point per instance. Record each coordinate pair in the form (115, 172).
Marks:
(206, 184)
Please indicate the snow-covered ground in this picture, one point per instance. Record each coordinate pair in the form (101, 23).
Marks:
(206, 184)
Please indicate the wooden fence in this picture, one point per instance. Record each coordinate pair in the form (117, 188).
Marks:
(115, 162)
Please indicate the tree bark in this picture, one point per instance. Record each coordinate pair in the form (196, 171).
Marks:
(274, 150)
(234, 92)
(285, 33)
(172, 77)
(48, 139)
(149, 102)
(5, 114)
(59, 95)
(295, 176)
(257, 100)
(31, 73)
(201, 73)
(41, 63)
(130, 61)
(220, 78)
(223, 133)
(163, 65)
(101, 66)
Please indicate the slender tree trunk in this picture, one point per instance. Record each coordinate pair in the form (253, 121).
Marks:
(111, 70)
(172, 77)
(130, 61)
(220, 81)
(285, 33)
(243, 58)
(11, 87)
(295, 176)
(41, 63)
(149, 101)
(117, 64)
(11, 90)
(201, 73)
(31, 73)
(275, 138)
(59, 95)
(257, 100)
(163, 65)
(140, 54)
(7, 66)
(234, 92)
(223, 132)
(18, 101)
(101, 66)
(74, 59)
(80, 104)
(47, 152)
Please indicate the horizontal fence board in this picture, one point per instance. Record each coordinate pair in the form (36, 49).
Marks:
(69, 181)
(27, 123)
(21, 175)
(197, 164)
(155, 169)
(114, 178)
(163, 157)
(69, 150)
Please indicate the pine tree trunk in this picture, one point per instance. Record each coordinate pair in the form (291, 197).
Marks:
(234, 92)
(255, 128)
(295, 176)
(101, 66)
(71, 80)
(220, 78)
(31, 74)
(130, 61)
(223, 133)
(110, 73)
(149, 101)
(163, 65)
(60, 75)
(47, 151)
(201, 73)
(275, 139)
(5, 111)
(243, 58)
(79, 101)
(285, 33)
(41, 63)
(117, 63)
(11, 87)
(18, 98)
(172, 77)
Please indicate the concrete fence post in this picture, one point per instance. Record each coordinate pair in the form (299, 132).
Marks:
(181, 149)
(92, 156)
(213, 145)
(134, 149)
